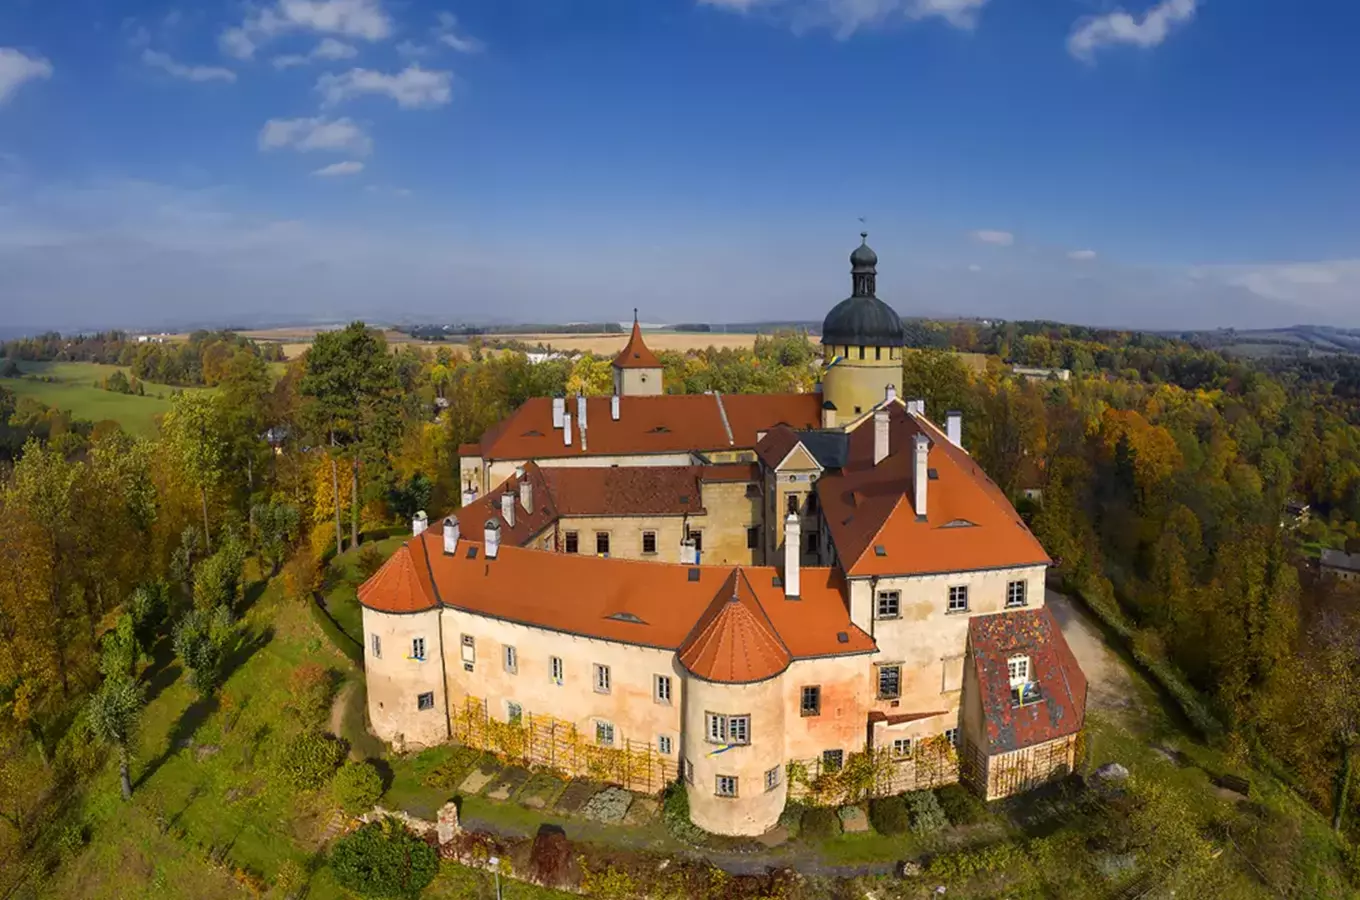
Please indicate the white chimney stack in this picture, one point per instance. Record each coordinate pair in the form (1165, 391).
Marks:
(793, 545)
(559, 411)
(419, 522)
(566, 428)
(469, 496)
(492, 537)
(526, 494)
(916, 406)
(922, 473)
(880, 435)
(890, 394)
(614, 407)
(953, 423)
(450, 535)
(508, 508)
(688, 553)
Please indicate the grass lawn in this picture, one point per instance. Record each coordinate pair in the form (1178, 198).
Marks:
(74, 390)
(344, 578)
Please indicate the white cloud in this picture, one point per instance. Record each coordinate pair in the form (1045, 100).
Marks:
(845, 17)
(188, 73)
(350, 167)
(1095, 32)
(412, 50)
(319, 133)
(16, 68)
(1081, 254)
(974, 267)
(412, 88)
(329, 48)
(447, 35)
(364, 19)
(999, 238)
(1311, 286)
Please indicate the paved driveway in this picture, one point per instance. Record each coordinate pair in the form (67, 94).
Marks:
(1111, 686)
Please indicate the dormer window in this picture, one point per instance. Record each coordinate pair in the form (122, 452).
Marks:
(1018, 669)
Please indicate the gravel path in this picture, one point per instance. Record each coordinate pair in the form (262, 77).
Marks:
(1111, 685)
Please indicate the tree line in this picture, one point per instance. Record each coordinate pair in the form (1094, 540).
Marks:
(199, 361)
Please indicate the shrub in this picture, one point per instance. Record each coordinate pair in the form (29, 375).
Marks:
(201, 641)
(289, 880)
(889, 815)
(820, 822)
(791, 819)
(675, 813)
(356, 787)
(967, 864)
(309, 760)
(961, 806)
(370, 560)
(302, 575)
(218, 579)
(550, 857)
(611, 884)
(383, 859)
(311, 687)
(926, 815)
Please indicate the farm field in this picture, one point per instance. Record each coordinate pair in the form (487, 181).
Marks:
(74, 390)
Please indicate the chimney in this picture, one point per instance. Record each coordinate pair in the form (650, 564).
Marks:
(508, 508)
(419, 522)
(526, 494)
(614, 407)
(469, 496)
(916, 406)
(687, 552)
(559, 411)
(492, 537)
(922, 474)
(817, 388)
(566, 427)
(828, 414)
(793, 545)
(890, 394)
(581, 417)
(880, 435)
(953, 423)
(450, 536)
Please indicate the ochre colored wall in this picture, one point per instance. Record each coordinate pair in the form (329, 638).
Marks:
(625, 535)
(855, 385)
(638, 382)
(729, 511)
(755, 810)
(395, 682)
(499, 470)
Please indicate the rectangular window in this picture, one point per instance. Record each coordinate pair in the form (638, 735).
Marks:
(1017, 667)
(375, 646)
(727, 786)
(793, 504)
(772, 778)
(889, 682)
(664, 745)
(418, 648)
(514, 713)
(425, 701)
(878, 353)
(889, 604)
(958, 598)
(716, 728)
(739, 729)
(832, 760)
(601, 679)
(1015, 594)
(901, 748)
(662, 691)
(812, 503)
(571, 542)
(698, 538)
(812, 700)
(727, 729)
(649, 542)
(810, 542)
(604, 733)
(555, 669)
(469, 649)
(511, 660)
(952, 736)
(601, 543)
(689, 771)
(752, 537)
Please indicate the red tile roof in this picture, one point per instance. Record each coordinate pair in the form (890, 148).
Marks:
(775, 447)
(734, 641)
(635, 354)
(646, 603)
(1061, 709)
(669, 423)
(970, 524)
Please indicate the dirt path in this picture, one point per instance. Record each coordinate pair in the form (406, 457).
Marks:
(338, 707)
(1111, 685)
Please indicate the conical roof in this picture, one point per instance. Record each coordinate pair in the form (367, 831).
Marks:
(734, 641)
(635, 354)
(397, 587)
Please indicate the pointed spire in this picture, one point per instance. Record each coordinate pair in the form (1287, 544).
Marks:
(635, 354)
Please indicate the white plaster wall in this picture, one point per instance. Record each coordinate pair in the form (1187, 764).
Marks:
(754, 810)
(844, 683)
(395, 682)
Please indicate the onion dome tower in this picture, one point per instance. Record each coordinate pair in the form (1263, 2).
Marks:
(862, 340)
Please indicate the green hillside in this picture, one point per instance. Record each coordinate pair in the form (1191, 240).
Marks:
(73, 388)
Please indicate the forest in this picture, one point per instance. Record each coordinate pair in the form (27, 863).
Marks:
(1163, 471)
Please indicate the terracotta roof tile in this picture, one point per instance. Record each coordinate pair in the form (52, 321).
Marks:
(970, 524)
(648, 603)
(635, 354)
(776, 445)
(734, 641)
(748, 414)
(1061, 709)
(528, 523)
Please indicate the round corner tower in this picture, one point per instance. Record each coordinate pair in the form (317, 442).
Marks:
(862, 340)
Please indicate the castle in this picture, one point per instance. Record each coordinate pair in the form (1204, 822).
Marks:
(745, 592)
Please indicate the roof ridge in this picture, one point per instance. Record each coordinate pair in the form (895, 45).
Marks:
(769, 623)
(722, 412)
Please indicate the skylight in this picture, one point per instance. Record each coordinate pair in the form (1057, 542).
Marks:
(959, 523)
(693, 574)
(626, 617)
(472, 552)
(880, 550)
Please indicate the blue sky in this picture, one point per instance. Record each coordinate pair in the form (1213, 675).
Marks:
(1182, 163)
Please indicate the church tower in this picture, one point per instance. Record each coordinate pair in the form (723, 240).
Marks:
(637, 371)
(862, 340)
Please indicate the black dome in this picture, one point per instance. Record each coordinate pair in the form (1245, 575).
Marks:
(863, 322)
(863, 257)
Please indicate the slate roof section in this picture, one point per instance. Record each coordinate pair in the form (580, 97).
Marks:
(669, 423)
(866, 505)
(644, 603)
(635, 354)
(1340, 559)
(734, 641)
(1061, 709)
(831, 449)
